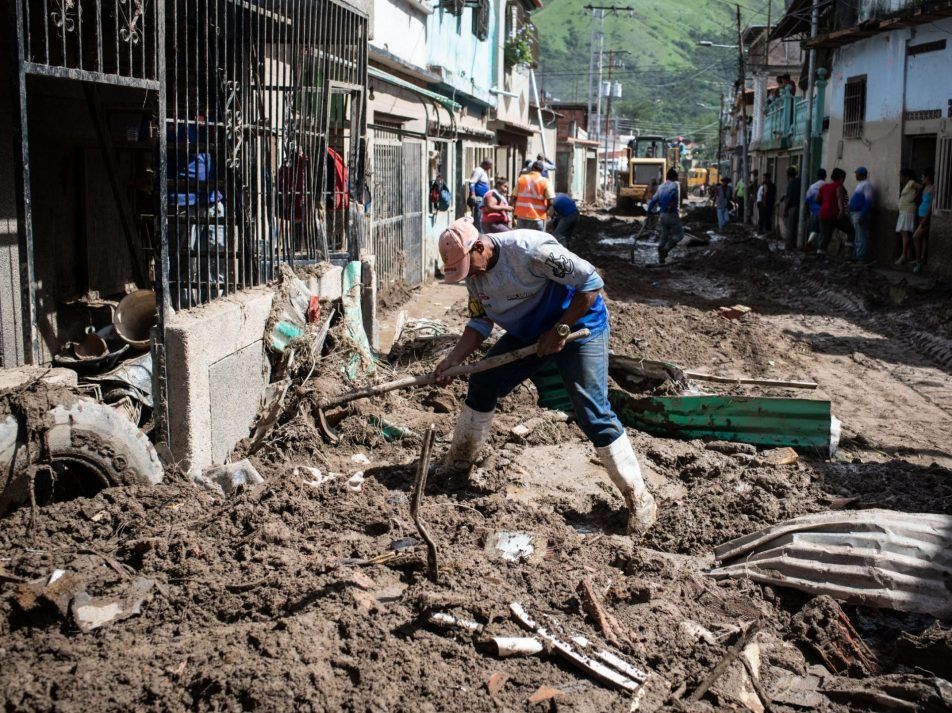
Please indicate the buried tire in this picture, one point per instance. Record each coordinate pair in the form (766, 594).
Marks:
(85, 446)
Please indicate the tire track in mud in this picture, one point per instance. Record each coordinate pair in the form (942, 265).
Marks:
(929, 347)
(933, 347)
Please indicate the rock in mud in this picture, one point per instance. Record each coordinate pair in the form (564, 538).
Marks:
(227, 479)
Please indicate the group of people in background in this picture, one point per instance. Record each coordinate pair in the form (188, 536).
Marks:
(830, 207)
(531, 205)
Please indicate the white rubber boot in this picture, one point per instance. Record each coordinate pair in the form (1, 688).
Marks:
(471, 432)
(622, 465)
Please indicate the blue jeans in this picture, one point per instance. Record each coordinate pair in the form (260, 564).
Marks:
(723, 217)
(670, 231)
(564, 228)
(478, 213)
(584, 369)
(860, 237)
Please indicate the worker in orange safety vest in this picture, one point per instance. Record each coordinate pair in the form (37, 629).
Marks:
(532, 198)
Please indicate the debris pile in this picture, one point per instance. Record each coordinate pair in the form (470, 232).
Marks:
(328, 567)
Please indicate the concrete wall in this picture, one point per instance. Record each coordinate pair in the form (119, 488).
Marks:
(896, 86)
(928, 80)
(218, 370)
(400, 29)
(466, 63)
(394, 102)
(514, 109)
(882, 60)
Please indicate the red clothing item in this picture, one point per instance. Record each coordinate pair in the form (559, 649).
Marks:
(833, 200)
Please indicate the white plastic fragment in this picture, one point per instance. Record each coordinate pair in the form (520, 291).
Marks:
(449, 621)
(517, 646)
(56, 574)
(313, 477)
(356, 482)
(514, 546)
(360, 459)
(696, 632)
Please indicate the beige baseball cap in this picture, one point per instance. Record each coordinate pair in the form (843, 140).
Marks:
(455, 243)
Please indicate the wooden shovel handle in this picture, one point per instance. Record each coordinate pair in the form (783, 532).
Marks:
(461, 370)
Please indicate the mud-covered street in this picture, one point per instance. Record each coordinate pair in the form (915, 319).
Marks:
(310, 591)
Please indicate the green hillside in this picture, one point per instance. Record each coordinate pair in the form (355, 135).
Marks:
(670, 84)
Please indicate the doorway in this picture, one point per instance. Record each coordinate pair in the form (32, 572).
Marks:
(920, 153)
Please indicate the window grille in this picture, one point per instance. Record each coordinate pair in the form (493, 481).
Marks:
(854, 107)
(264, 131)
(481, 11)
(453, 7)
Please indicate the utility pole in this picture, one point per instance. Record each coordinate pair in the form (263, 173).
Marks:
(594, 100)
(720, 135)
(591, 66)
(612, 54)
(806, 162)
(742, 78)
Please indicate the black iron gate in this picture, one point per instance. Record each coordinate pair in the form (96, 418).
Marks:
(398, 200)
(265, 138)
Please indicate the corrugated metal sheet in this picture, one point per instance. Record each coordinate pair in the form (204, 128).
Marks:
(880, 558)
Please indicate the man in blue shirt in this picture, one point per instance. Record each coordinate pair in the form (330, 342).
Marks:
(537, 291)
(667, 199)
(812, 200)
(564, 217)
(861, 203)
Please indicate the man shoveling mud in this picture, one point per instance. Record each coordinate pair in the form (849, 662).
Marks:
(536, 290)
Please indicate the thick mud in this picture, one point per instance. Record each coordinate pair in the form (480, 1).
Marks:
(311, 591)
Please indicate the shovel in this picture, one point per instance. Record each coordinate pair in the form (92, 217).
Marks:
(427, 379)
(644, 226)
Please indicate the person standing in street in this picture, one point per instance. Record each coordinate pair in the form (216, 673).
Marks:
(766, 200)
(722, 201)
(740, 192)
(564, 217)
(479, 185)
(532, 197)
(906, 223)
(791, 208)
(537, 291)
(921, 236)
(813, 205)
(860, 206)
(753, 191)
(834, 210)
(667, 201)
(497, 213)
(547, 165)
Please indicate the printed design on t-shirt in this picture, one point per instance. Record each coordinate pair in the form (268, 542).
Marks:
(476, 308)
(518, 296)
(560, 265)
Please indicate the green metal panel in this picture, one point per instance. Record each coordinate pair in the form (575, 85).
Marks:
(762, 421)
(552, 392)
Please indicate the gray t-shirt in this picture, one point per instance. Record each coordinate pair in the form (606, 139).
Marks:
(530, 286)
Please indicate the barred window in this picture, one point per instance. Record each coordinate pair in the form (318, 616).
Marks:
(481, 11)
(854, 107)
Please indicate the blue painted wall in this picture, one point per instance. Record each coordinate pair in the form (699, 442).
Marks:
(468, 63)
